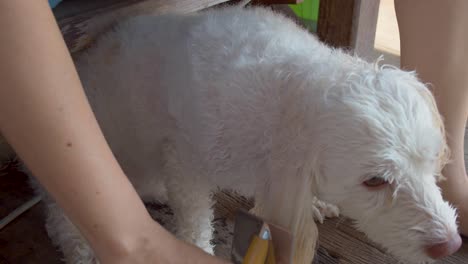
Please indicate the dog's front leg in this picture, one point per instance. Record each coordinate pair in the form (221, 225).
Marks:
(191, 202)
(66, 236)
(192, 206)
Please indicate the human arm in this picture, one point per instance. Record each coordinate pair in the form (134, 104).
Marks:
(45, 116)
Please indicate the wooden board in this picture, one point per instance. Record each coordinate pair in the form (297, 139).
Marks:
(364, 27)
(24, 240)
(349, 24)
(12, 179)
(276, 2)
(87, 20)
(335, 21)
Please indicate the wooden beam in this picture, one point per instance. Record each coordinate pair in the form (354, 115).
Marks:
(366, 13)
(275, 2)
(335, 22)
(81, 28)
(349, 24)
(228, 202)
(347, 245)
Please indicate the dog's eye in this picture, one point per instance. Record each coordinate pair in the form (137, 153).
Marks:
(375, 182)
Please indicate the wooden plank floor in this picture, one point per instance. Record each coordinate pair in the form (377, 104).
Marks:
(25, 240)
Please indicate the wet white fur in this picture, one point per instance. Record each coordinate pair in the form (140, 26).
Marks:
(246, 100)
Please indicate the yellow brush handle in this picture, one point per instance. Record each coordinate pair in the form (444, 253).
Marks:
(271, 259)
(257, 252)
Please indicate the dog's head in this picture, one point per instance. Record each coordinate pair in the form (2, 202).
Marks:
(382, 148)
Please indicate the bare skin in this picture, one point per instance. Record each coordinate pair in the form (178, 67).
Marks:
(45, 116)
(434, 41)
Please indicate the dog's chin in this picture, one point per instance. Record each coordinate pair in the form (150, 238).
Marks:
(405, 251)
(412, 252)
(417, 258)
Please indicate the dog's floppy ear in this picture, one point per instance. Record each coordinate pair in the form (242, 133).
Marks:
(444, 154)
(411, 80)
(286, 198)
(288, 202)
(425, 91)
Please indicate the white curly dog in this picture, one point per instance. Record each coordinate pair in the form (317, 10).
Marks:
(244, 99)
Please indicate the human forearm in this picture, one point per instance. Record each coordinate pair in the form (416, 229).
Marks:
(44, 114)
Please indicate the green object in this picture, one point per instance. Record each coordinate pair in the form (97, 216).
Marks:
(307, 11)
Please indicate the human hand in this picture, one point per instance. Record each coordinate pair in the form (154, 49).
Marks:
(158, 246)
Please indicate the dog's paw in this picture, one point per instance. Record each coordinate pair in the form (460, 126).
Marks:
(322, 210)
(208, 249)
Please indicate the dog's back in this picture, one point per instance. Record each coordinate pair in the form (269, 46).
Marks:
(212, 78)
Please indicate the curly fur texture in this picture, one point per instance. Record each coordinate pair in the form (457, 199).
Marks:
(244, 99)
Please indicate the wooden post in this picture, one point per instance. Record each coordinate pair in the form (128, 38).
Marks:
(349, 24)
(79, 30)
(335, 22)
(275, 2)
(364, 27)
